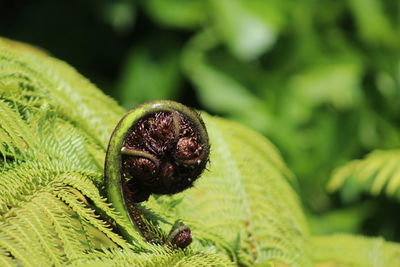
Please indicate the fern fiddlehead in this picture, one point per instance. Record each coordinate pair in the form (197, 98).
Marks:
(159, 147)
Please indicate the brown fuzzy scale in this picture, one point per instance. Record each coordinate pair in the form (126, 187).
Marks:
(183, 238)
(136, 216)
(177, 158)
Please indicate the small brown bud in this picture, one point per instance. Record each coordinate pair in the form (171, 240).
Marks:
(183, 238)
(187, 148)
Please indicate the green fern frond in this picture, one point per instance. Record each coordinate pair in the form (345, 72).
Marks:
(62, 140)
(71, 96)
(89, 215)
(5, 259)
(17, 136)
(346, 250)
(184, 258)
(51, 159)
(21, 180)
(64, 225)
(26, 231)
(377, 173)
(37, 223)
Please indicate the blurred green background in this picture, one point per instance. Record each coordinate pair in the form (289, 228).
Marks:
(320, 78)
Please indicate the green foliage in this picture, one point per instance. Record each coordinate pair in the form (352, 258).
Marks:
(55, 127)
(377, 173)
(54, 131)
(244, 200)
(320, 78)
(157, 258)
(346, 250)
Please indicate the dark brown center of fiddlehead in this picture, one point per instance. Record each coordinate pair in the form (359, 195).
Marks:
(163, 153)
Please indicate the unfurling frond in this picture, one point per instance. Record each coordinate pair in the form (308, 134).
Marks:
(378, 172)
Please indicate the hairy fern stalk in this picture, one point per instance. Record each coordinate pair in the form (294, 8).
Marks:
(54, 128)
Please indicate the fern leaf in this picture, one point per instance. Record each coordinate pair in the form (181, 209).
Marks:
(186, 258)
(19, 135)
(88, 189)
(72, 96)
(347, 250)
(377, 173)
(21, 256)
(35, 219)
(67, 233)
(24, 233)
(21, 180)
(89, 215)
(6, 261)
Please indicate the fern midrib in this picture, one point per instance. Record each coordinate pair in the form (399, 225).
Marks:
(70, 251)
(244, 197)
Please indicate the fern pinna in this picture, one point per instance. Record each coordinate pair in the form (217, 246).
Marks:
(54, 131)
(378, 173)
